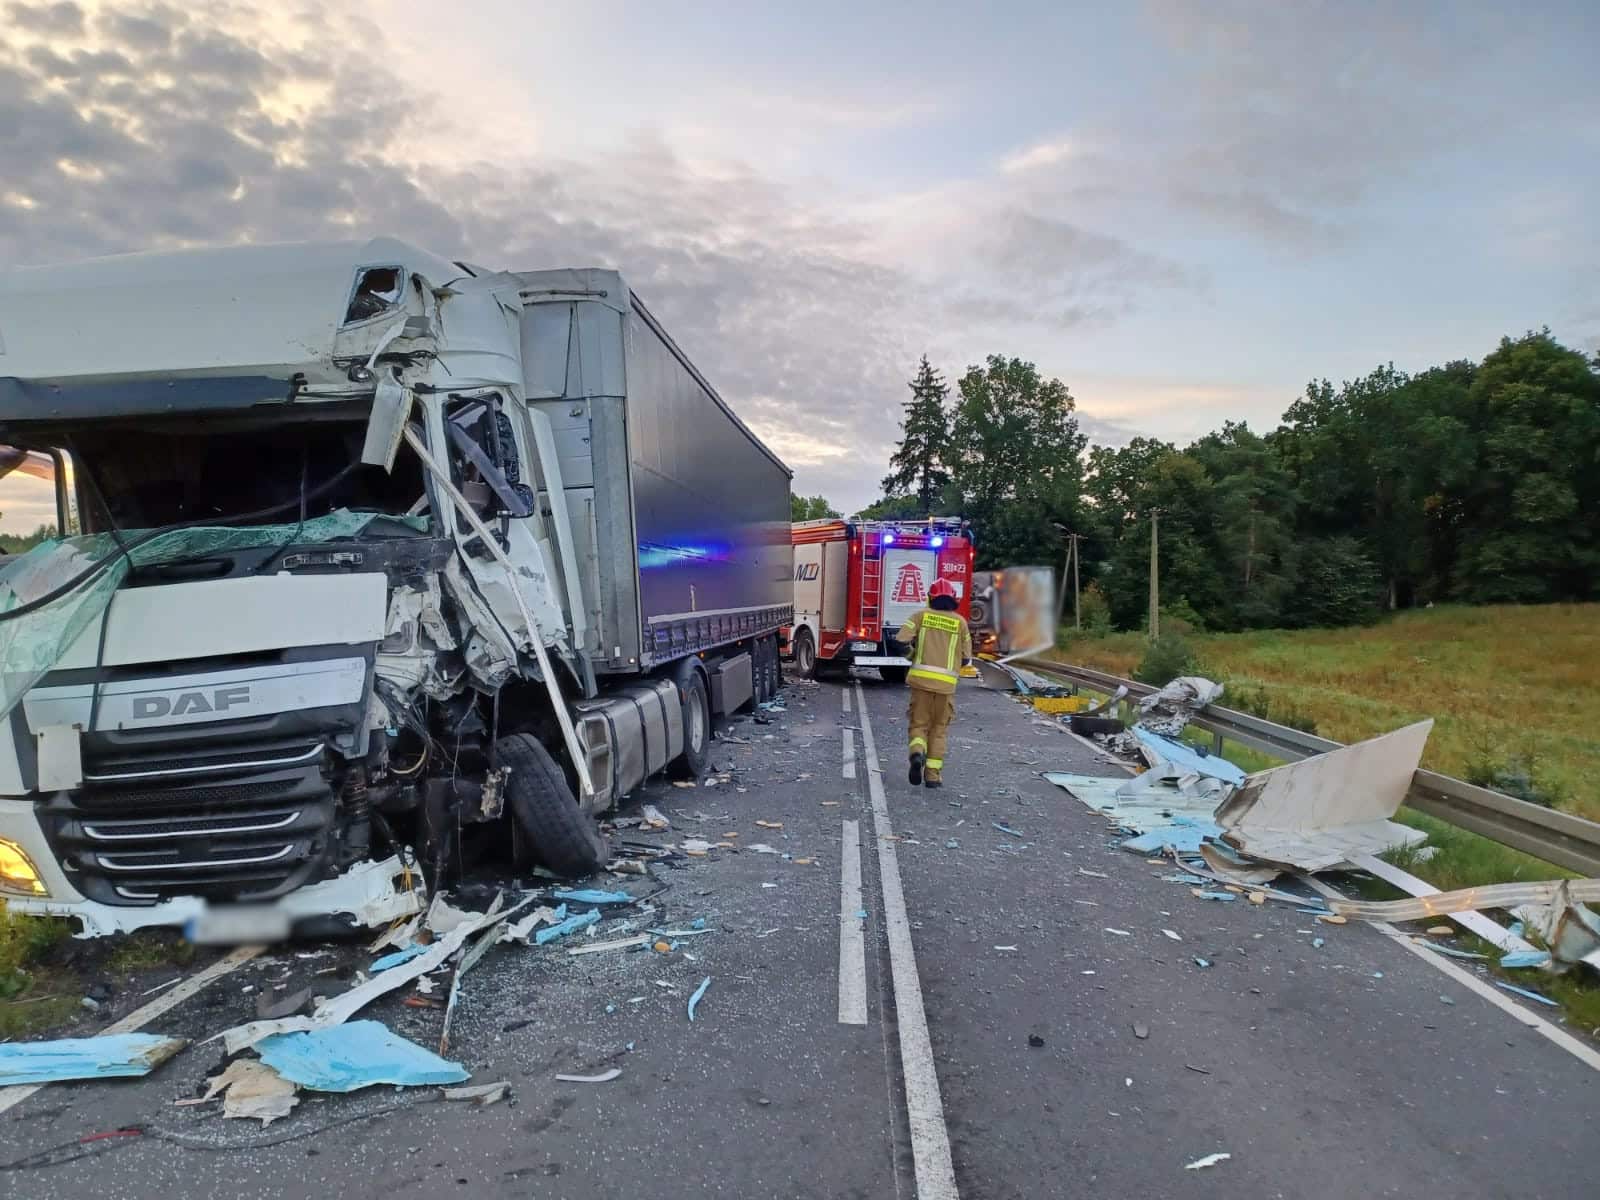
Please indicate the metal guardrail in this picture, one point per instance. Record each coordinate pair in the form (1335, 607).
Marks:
(1556, 837)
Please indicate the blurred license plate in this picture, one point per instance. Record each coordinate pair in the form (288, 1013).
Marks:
(863, 645)
(236, 925)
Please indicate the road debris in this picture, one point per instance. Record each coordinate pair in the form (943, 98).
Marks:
(1172, 934)
(770, 824)
(1203, 894)
(1141, 1030)
(1035, 1041)
(108, 1056)
(566, 925)
(251, 1089)
(591, 896)
(1518, 960)
(603, 1077)
(642, 939)
(1524, 992)
(1201, 962)
(1119, 932)
(1007, 829)
(1317, 813)
(654, 818)
(355, 1055)
(699, 992)
(480, 1094)
(1209, 1160)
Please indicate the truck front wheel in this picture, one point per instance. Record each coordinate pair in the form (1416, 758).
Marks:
(564, 837)
(805, 655)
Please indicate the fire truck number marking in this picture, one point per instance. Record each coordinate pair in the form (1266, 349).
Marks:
(807, 571)
(908, 587)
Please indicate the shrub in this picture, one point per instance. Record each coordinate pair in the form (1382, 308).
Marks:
(1166, 659)
(1258, 702)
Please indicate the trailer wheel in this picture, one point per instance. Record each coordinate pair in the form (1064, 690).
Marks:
(805, 655)
(894, 676)
(691, 764)
(563, 837)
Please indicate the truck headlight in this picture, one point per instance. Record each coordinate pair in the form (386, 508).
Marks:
(17, 872)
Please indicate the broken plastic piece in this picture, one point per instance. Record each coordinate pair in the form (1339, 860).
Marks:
(1522, 958)
(111, 1055)
(642, 939)
(1201, 962)
(654, 818)
(356, 1055)
(1511, 987)
(1141, 1030)
(1205, 895)
(1007, 829)
(1172, 934)
(700, 991)
(1209, 1160)
(1452, 952)
(604, 1077)
(593, 896)
(770, 824)
(570, 925)
(399, 956)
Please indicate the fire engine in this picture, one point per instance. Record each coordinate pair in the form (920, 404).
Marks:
(856, 581)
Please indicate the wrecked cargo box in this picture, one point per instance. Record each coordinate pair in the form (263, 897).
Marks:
(366, 553)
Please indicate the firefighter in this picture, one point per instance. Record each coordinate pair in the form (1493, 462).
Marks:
(941, 644)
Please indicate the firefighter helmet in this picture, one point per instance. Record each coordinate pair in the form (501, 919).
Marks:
(943, 587)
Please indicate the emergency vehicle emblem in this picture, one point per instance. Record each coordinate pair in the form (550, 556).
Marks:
(908, 587)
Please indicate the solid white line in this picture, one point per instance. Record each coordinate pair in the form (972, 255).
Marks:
(852, 944)
(849, 753)
(140, 1017)
(930, 1140)
(1470, 981)
(846, 694)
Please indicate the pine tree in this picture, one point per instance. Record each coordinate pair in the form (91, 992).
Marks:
(925, 430)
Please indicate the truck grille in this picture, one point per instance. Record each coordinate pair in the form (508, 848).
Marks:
(248, 827)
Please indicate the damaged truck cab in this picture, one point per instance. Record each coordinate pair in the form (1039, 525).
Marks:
(369, 563)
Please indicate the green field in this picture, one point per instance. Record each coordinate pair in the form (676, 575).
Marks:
(1510, 688)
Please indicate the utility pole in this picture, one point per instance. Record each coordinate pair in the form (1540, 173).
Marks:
(1077, 596)
(1069, 566)
(1155, 581)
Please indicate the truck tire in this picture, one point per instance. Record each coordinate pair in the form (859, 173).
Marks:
(805, 655)
(894, 676)
(691, 764)
(761, 662)
(564, 838)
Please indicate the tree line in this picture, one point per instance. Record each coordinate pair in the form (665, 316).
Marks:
(1474, 482)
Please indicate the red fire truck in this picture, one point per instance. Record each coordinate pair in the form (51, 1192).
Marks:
(856, 581)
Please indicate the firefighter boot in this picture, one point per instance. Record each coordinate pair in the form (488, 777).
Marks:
(915, 774)
(932, 777)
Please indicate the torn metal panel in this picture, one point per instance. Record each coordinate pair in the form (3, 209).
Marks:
(1229, 867)
(1190, 758)
(354, 1056)
(1145, 802)
(1570, 930)
(1169, 711)
(108, 1056)
(1323, 811)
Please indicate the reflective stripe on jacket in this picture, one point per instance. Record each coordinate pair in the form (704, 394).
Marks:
(942, 644)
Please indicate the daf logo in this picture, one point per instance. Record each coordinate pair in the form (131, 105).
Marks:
(180, 704)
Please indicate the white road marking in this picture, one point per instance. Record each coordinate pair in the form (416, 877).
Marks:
(852, 945)
(1470, 981)
(849, 753)
(846, 695)
(140, 1017)
(930, 1140)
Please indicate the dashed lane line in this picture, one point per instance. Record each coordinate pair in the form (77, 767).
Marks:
(852, 945)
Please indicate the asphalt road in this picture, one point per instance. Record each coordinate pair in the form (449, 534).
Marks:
(1355, 1068)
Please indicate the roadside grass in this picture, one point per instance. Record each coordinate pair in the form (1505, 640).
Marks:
(148, 949)
(1509, 686)
(28, 999)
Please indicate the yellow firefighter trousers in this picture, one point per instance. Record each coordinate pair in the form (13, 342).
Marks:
(929, 717)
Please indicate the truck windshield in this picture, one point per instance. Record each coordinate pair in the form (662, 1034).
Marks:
(147, 475)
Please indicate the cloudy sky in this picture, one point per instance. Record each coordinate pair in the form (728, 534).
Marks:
(1184, 211)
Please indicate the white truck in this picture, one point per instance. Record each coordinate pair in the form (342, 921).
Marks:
(370, 561)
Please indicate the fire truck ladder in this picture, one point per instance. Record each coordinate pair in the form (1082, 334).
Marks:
(871, 582)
